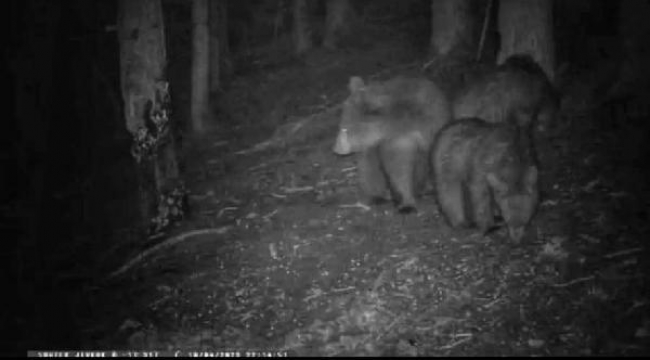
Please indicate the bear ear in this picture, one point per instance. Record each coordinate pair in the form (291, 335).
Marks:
(356, 84)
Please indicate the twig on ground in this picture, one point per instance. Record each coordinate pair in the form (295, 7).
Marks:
(623, 252)
(291, 190)
(229, 208)
(357, 205)
(574, 281)
(467, 337)
(167, 243)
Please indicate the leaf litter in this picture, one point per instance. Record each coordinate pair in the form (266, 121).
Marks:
(303, 265)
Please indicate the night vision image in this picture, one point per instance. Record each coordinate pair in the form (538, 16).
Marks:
(326, 178)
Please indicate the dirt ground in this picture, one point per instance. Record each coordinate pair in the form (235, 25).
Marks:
(291, 259)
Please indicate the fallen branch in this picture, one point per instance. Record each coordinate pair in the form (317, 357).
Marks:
(306, 126)
(281, 135)
(427, 64)
(357, 205)
(492, 303)
(291, 190)
(574, 281)
(259, 166)
(228, 208)
(169, 242)
(390, 327)
(320, 293)
(623, 252)
(259, 147)
(467, 337)
(340, 290)
(381, 279)
(267, 216)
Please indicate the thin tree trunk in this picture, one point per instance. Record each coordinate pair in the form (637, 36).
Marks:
(215, 46)
(224, 45)
(301, 27)
(337, 22)
(453, 30)
(526, 26)
(280, 16)
(200, 64)
(487, 17)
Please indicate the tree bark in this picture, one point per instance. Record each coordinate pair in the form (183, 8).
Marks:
(142, 56)
(200, 64)
(215, 45)
(224, 51)
(453, 30)
(526, 26)
(302, 27)
(145, 93)
(337, 22)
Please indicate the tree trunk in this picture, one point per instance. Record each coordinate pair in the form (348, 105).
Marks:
(526, 26)
(302, 27)
(634, 30)
(146, 98)
(142, 56)
(215, 46)
(453, 30)
(200, 64)
(224, 50)
(337, 22)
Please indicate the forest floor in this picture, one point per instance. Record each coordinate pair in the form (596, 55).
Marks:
(292, 260)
